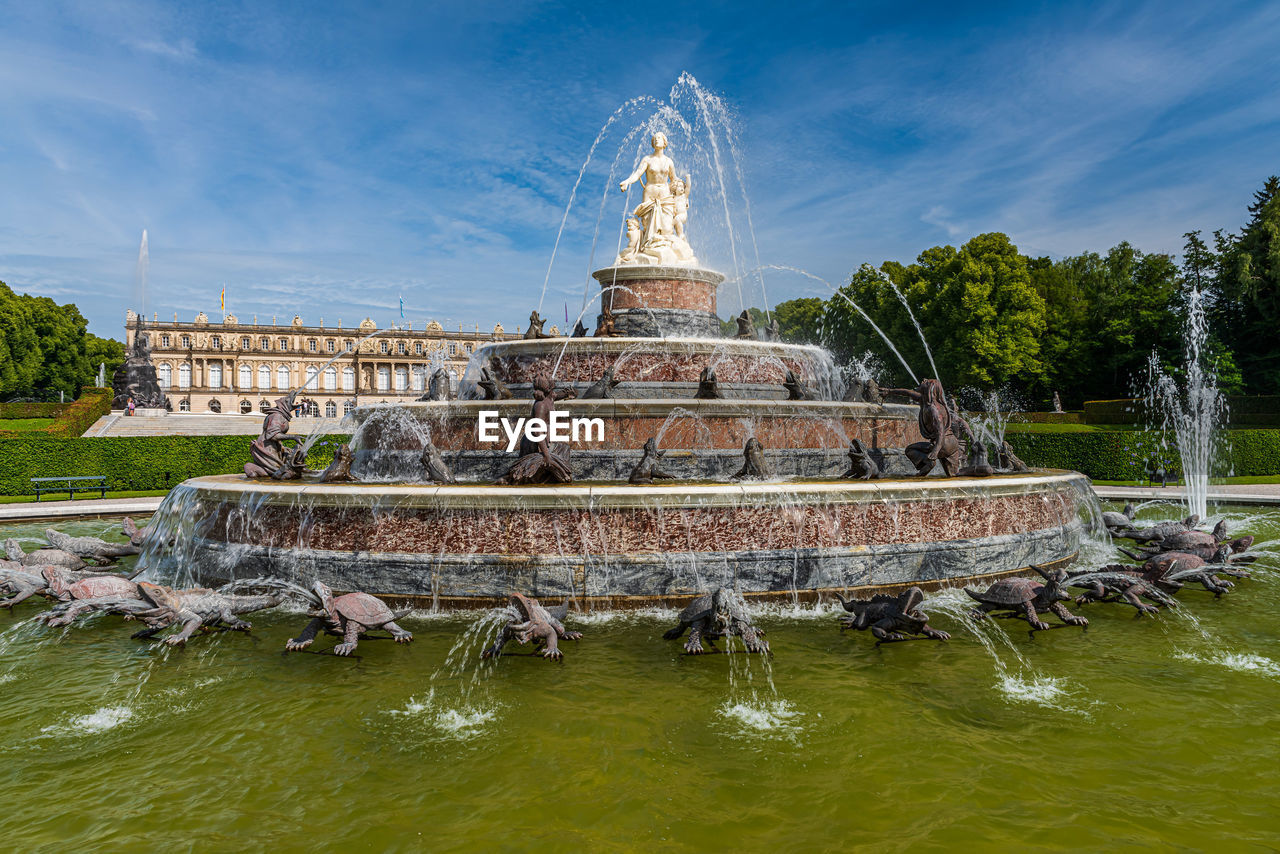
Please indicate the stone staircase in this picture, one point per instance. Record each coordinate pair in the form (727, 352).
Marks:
(185, 424)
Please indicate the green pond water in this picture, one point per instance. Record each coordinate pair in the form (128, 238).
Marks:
(1137, 733)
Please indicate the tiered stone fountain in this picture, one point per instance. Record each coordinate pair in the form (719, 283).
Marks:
(602, 541)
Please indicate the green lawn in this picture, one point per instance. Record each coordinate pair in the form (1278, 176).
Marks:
(81, 496)
(1035, 427)
(25, 425)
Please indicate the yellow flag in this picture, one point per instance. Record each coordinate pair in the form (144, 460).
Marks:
(224, 298)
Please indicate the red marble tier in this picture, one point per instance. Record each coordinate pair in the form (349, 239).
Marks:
(688, 288)
(638, 530)
(708, 425)
(654, 360)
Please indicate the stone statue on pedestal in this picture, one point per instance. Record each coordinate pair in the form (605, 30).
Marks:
(656, 229)
(136, 378)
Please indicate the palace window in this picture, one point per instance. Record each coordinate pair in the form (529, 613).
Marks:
(384, 377)
(246, 377)
(264, 406)
(164, 373)
(400, 347)
(264, 343)
(419, 378)
(330, 409)
(282, 378)
(186, 341)
(348, 378)
(284, 344)
(347, 406)
(311, 345)
(245, 344)
(385, 348)
(351, 345)
(184, 405)
(330, 378)
(215, 375)
(402, 379)
(329, 346)
(164, 340)
(453, 348)
(184, 377)
(215, 405)
(467, 347)
(215, 342)
(264, 377)
(417, 348)
(312, 372)
(245, 407)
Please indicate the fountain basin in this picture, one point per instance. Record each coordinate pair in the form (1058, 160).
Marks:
(619, 545)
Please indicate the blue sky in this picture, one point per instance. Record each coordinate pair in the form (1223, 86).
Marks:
(324, 158)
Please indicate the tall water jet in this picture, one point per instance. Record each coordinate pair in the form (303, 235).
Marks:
(1192, 409)
(141, 272)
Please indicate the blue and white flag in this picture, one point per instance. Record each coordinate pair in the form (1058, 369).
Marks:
(402, 306)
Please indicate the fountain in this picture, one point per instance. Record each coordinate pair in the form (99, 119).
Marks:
(789, 527)
(1192, 410)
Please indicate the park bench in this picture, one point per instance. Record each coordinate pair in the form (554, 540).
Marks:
(83, 483)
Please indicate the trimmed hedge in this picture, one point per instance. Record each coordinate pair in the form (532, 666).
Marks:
(1253, 411)
(92, 404)
(131, 462)
(1126, 455)
(31, 409)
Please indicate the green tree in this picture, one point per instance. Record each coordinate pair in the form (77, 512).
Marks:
(19, 347)
(1249, 282)
(800, 320)
(103, 351)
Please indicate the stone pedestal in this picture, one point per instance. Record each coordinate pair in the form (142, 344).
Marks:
(651, 301)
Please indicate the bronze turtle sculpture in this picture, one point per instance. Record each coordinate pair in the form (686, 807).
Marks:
(1023, 597)
(716, 614)
(349, 616)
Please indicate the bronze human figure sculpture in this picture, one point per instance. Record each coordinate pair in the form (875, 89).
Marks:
(579, 330)
(941, 444)
(267, 454)
(647, 469)
(746, 329)
(861, 466)
(708, 385)
(542, 462)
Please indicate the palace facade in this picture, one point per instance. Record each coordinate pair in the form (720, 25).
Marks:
(233, 367)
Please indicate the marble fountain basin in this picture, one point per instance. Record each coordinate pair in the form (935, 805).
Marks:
(617, 545)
